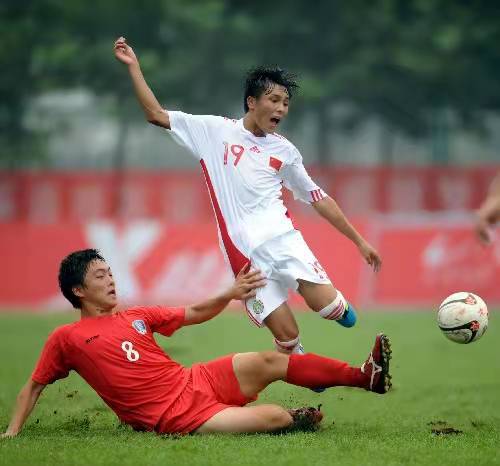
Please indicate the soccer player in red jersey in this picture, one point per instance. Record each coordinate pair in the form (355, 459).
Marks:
(116, 354)
(246, 164)
(488, 213)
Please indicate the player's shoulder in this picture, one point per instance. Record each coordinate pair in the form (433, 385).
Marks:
(282, 141)
(138, 310)
(218, 122)
(284, 145)
(213, 118)
(141, 311)
(225, 123)
(151, 315)
(62, 331)
(279, 136)
(135, 311)
(191, 117)
(229, 121)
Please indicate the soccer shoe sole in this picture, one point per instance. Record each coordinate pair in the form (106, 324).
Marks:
(384, 383)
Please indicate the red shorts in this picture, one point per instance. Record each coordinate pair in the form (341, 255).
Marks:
(212, 387)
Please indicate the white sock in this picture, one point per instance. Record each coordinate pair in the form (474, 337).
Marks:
(289, 347)
(335, 310)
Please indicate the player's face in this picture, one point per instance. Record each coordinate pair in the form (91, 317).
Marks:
(99, 286)
(270, 108)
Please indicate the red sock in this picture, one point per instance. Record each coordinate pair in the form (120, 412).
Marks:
(313, 371)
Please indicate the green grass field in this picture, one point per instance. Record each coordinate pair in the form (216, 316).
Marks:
(437, 383)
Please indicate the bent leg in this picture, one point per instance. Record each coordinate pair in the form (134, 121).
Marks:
(254, 371)
(250, 419)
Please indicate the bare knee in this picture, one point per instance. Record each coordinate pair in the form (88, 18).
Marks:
(270, 359)
(273, 365)
(286, 335)
(255, 371)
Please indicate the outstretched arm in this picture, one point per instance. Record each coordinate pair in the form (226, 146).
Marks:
(489, 212)
(296, 178)
(244, 287)
(153, 111)
(26, 400)
(330, 211)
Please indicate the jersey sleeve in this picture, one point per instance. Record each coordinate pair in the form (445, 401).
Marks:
(191, 131)
(296, 179)
(51, 365)
(164, 320)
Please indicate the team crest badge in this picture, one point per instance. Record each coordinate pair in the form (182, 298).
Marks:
(140, 326)
(258, 306)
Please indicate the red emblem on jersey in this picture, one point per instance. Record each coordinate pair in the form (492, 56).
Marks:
(275, 163)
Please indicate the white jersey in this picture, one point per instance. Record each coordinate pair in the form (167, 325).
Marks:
(244, 175)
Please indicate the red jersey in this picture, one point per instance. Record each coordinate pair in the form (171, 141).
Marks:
(119, 358)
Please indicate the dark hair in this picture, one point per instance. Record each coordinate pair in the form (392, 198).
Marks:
(72, 272)
(260, 79)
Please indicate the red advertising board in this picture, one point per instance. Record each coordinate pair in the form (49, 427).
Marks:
(153, 262)
(425, 263)
(181, 197)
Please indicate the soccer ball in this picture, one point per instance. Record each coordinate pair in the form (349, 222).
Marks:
(463, 317)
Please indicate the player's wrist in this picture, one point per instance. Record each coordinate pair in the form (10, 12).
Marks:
(225, 296)
(229, 294)
(360, 242)
(134, 67)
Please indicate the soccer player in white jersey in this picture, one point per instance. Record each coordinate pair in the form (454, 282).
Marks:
(245, 164)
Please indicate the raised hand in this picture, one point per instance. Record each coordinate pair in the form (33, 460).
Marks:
(124, 53)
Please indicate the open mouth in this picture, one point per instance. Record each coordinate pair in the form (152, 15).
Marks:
(275, 120)
(112, 293)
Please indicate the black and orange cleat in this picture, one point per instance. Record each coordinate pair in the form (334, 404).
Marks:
(376, 366)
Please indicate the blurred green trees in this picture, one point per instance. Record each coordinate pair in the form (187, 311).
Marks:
(403, 61)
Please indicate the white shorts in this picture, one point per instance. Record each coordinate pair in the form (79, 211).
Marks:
(282, 260)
